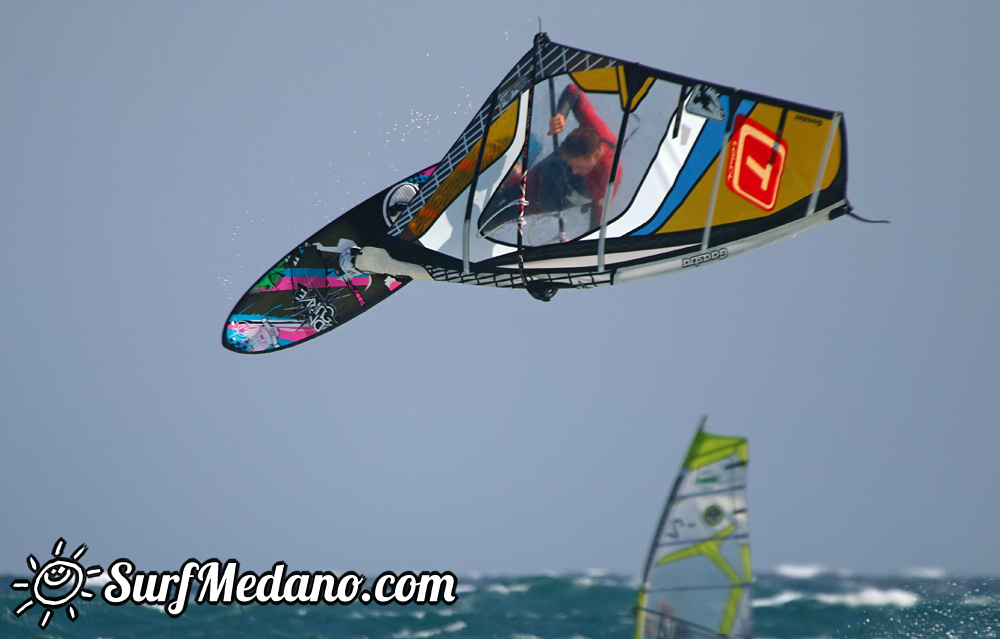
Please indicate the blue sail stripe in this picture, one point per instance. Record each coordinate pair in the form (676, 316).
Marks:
(705, 150)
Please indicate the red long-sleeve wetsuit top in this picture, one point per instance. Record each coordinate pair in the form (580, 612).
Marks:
(596, 181)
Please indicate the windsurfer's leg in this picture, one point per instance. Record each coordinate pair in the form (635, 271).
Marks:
(375, 260)
(553, 184)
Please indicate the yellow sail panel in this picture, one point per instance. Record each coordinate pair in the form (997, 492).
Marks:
(731, 611)
(499, 140)
(600, 80)
(640, 94)
(804, 142)
(708, 449)
(611, 80)
(745, 561)
(710, 549)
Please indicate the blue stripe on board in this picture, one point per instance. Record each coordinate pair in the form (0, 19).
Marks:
(307, 272)
(257, 317)
(705, 150)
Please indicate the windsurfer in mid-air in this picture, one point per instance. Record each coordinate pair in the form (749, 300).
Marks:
(576, 174)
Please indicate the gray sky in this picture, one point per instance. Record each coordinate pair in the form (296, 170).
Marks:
(157, 158)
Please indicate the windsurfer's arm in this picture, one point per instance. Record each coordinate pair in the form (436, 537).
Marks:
(567, 101)
(573, 99)
(557, 124)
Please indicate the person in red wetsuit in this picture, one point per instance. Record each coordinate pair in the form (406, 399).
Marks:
(589, 150)
(576, 175)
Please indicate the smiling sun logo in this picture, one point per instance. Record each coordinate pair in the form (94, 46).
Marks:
(56, 583)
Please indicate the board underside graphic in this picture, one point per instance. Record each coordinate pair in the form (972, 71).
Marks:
(301, 297)
(309, 291)
(650, 172)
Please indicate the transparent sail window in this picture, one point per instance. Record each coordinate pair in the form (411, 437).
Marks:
(570, 162)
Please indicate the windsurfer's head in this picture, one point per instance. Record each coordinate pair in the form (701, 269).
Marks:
(582, 150)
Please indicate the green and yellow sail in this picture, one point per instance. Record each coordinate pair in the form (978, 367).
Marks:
(697, 577)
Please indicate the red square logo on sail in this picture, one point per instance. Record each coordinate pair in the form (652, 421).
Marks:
(756, 161)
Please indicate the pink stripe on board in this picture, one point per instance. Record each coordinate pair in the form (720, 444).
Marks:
(295, 334)
(289, 283)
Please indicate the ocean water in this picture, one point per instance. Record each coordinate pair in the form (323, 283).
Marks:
(791, 603)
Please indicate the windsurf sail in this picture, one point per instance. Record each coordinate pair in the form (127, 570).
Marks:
(697, 578)
(579, 170)
(652, 172)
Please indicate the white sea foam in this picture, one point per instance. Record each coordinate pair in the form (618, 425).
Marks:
(865, 597)
(599, 577)
(926, 573)
(431, 632)
(779, 599)
(871, 597)
(506, 590)
(99, 580)
(804, 571)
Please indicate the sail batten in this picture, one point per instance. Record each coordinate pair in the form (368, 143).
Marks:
(687, 542)
(708, 492)
(690, 588)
